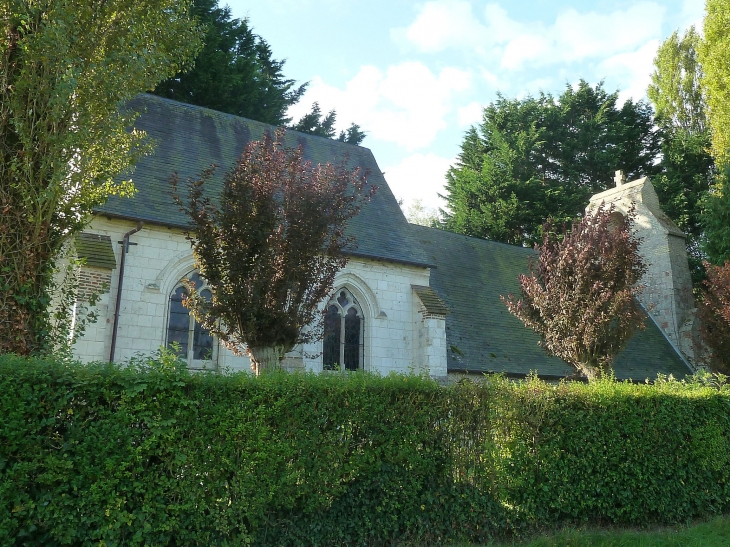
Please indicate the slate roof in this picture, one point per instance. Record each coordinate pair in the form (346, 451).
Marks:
(482, 336)
(468, 274)
(96, 249)
(430, 299)
(190, 138)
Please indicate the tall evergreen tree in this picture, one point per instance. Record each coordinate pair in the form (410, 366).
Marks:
(234, 72)
(315, 123)
(539, 157)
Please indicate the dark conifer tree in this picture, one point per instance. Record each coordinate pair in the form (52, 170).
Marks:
(544, 156)
(234, 72)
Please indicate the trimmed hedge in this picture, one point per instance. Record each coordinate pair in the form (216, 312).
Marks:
(150, 455)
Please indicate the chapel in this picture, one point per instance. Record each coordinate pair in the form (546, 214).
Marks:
(411, 298)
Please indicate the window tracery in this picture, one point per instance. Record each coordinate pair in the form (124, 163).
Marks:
(342, 347)
(195, 343)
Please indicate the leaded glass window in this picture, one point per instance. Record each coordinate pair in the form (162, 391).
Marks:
(342, 347)
(331, 342)
(195, 343)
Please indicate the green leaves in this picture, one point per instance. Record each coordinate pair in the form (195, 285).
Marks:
(234, 72)
(676, 89)
(545, 156)
(66, 67)
(292, 459)
(714, 54)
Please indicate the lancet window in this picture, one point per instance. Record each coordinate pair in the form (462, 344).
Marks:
(342, 347)
(194, 342)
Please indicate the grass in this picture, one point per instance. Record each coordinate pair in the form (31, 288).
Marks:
(712, 533)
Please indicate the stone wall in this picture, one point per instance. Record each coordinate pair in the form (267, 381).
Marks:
(667, 293)
(162, 256)
(430, 337)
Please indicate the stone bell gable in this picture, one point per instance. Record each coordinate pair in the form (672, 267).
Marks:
(667, 293)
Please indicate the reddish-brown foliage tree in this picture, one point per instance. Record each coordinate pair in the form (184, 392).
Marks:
(271, 249)
(714, 315)
(581, 296)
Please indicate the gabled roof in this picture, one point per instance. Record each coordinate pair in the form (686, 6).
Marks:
(482, 336)
(190, 138)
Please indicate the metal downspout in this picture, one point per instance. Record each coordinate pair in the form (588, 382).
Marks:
(125, 250)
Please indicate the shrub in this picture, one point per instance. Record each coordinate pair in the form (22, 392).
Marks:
(152, 455)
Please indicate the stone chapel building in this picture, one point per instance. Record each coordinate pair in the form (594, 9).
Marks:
(411, 298)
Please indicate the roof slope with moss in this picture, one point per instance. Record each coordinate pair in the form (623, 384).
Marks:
(190, 138)
(482, 336)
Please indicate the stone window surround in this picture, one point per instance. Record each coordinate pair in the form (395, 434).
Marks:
(193, 364)
(351, 304)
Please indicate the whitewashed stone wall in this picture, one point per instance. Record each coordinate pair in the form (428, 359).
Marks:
(430, 333)
(162, 256)
(383, 290)
(667, 283)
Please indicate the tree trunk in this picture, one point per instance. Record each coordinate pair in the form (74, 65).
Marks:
(266, 359)
(26, 270)
(592, 370)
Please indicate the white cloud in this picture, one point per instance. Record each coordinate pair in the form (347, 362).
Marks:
(442, 24)
(635, 67)
(693, 13)
(407, 104)
(526, 48)
(470, 114)
(579, 36)
(419, 176)
(572, 37)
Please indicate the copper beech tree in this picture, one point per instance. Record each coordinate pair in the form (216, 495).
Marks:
(581, 294)
(714, 314)
(271, 248)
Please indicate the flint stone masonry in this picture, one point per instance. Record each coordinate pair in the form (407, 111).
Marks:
(667, 293)
(393, 341)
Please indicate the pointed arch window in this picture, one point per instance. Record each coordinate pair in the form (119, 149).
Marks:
(195, 343)
(342, 347)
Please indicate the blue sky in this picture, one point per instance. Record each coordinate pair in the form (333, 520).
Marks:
(415, 75)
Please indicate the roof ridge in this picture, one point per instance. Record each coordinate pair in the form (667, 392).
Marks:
(475, 238)
(237, 117)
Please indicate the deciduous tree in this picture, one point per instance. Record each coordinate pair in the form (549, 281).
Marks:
(271, 248)
(714, 54)
(66, 67)
(714, 313)
(545, 156)
(581, 294)
(687, 170)
(676, 89)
